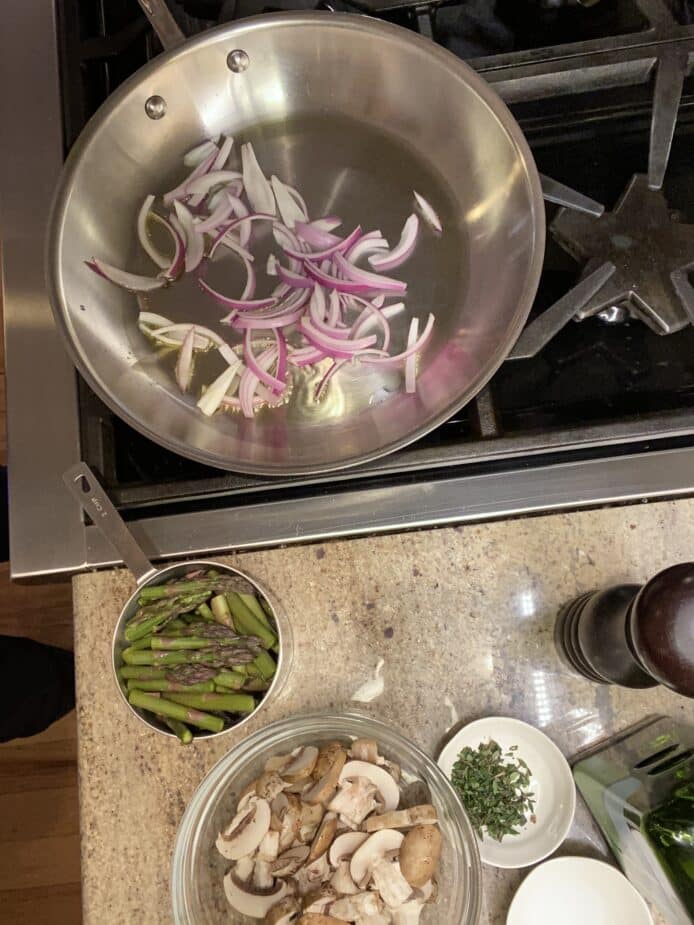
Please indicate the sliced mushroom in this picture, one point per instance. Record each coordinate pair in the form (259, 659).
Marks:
(381, 779)
(243, 870)
(393, 769)
(381, 918)
(317, 918)
(251, 902)
(319, 899)
(324, 836)
(302, 764)
(269, 847)
(371, 852)
(245, 831)
(312, 874)
(419, 854)
(345, 845)
(365, 750)
(354, 800)
(390, 883)
(329, 754)
(262, 876)
(269, 785)
(277, 762)
(333, 757)
(286, 912)
(341, 881)
(357, 907)
(408, 913)
(310, 816)
(286, 818)
(403, 818)
(290, 861)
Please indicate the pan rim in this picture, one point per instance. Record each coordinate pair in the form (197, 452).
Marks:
(461, 70)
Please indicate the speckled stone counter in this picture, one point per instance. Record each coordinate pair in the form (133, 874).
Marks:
(461, 613)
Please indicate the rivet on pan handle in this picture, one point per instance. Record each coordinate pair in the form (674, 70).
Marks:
(163, 23)
(85, 488)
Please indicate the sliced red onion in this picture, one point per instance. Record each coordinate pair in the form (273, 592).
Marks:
(232, 226)
(198, 154)
(258, 190)
(241, 211)
(306, 356)
(315, 237)
(428, 213)
(220, 214)
(365, 278)
(330, 372)
(295, 280)
(173, 335)
(268, 322)
(373, 315)
(298, 198)
(250, 381)
(409, 351)
(184, 362)
(327, 223)
(334, 346)
(215, 393)
(131, 281)
(290, 211)
(281, 360)
(342, 245)
(180, 191)
(402, 250)
(317, 313)
(272, 382)
(334, 308)
(240, 305)
(195, 243)
(368, 244)
(202, 185)
(231, 242)
(160, 259)
(224, 152)
(176, 265)
(411, 361)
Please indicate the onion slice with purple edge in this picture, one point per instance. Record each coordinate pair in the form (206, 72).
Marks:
(402, 250)
(411, 361)
(428, 213)
(292, 279)
(214, 394)
(195, 243)
(250, 381)
(258, 190)
(202, 185)
(179, 192)
(231, 226)
(368, 244)
(239, 305)
(342, 244)
(198, 154)
(224, 152)
(161, 260)
(317, 313)
(184, 361)
(315, 237)
(409, 351)
(272, 382)
(290, 211)
(334, 346)
(220, 214)
(131, 281)
(357, 281)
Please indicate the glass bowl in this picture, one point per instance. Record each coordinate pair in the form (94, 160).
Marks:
(198, 869)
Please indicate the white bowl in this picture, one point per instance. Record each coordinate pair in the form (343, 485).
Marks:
(577, 891)
(551, 783)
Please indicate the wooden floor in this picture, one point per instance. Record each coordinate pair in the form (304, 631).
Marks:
(39, 820)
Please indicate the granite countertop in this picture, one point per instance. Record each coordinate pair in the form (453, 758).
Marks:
(460, 615)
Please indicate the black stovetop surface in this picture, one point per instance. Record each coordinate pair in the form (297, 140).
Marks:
(590, 373)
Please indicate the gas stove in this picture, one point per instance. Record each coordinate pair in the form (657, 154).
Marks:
(595, 404)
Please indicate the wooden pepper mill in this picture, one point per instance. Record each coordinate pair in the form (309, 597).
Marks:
(632, 635)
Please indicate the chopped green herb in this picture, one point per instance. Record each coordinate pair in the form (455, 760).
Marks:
(494, 788)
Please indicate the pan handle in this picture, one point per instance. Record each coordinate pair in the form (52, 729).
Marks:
(85, 488)
(162, 21)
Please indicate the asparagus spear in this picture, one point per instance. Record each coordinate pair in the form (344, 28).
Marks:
(214, 656)
(150, 619)
(211, 584)
(203, 641)
(253, 604)
(252, 685)
(190, 674)
(162, 686)
(221, 612)
(204, 611)
(246, 622)
(179, 729)
(178, 711)
(141, 673)
(264, 662)
(227, 703)
(229, 679)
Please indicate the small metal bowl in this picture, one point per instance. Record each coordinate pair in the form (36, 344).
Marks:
(178, 570)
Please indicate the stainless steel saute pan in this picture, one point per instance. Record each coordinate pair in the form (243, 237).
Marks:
(356, 113)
